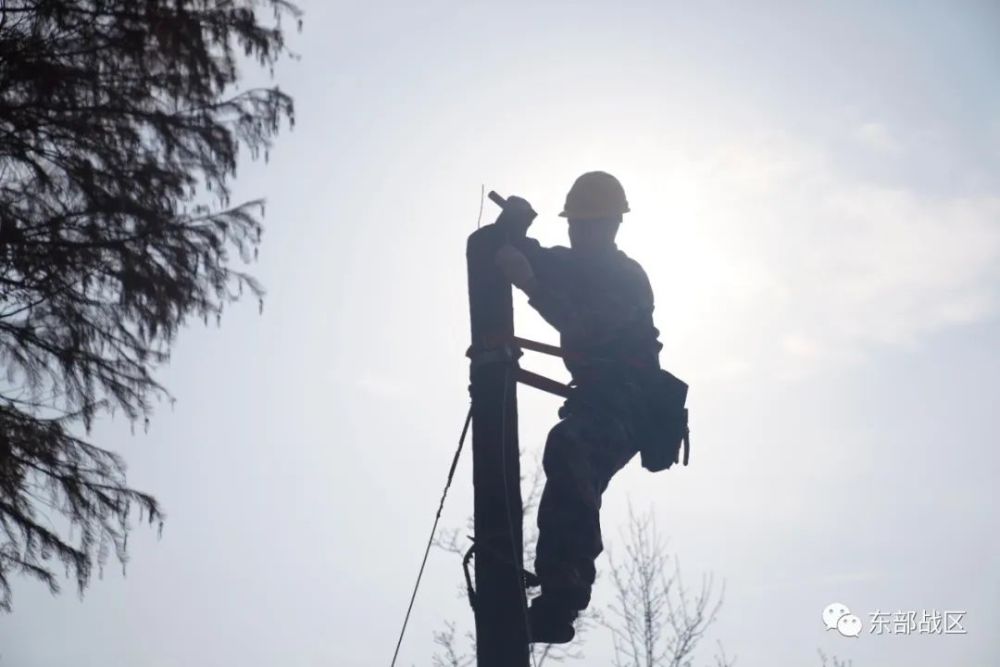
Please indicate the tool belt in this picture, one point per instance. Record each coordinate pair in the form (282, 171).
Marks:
(664, 429)
(649, 402)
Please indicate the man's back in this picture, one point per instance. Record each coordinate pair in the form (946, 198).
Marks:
(601, 304)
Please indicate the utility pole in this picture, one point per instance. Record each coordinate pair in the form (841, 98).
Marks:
(501, 631)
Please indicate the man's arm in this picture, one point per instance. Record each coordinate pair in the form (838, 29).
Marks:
(545, 275)
(541, 274)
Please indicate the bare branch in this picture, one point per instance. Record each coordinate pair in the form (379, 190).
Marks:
(653, 619)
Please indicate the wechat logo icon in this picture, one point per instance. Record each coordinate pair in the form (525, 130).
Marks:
(838, 617)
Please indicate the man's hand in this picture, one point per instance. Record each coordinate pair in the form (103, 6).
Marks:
(516, 216)
(515, 267)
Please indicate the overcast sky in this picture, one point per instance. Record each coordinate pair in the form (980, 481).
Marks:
(815, 194)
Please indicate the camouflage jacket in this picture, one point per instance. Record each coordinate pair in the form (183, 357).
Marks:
(602, 307)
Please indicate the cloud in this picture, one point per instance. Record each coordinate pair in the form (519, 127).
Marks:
(876, 136)
(383, 385)
(788, 263)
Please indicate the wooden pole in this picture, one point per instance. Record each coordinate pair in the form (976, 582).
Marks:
(501, 632)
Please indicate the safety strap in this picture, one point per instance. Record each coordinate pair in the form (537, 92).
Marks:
(499, 354)
(541, 382)
(508, 352)
(534, 346)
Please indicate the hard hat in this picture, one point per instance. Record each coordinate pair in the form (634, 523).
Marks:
(596, 194)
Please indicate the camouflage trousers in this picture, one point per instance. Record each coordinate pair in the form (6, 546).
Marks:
(582, 453)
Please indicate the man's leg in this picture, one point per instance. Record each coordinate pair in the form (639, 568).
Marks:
(581, 455)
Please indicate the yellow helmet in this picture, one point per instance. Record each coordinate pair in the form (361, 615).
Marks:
(596, 194)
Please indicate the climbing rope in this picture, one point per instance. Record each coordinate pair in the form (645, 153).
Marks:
(430, 539)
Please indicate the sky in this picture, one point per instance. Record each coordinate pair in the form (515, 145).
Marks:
(815, 195)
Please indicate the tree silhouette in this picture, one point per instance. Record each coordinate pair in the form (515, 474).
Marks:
(116, 117)
(654, 619)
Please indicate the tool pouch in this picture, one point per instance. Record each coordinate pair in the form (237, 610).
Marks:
(663, 427)
(650, 403)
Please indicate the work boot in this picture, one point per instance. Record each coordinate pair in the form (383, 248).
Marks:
(551, 621)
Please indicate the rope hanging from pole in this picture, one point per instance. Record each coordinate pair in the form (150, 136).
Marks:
(430, 539)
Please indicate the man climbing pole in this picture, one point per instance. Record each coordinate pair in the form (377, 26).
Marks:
(601, 303)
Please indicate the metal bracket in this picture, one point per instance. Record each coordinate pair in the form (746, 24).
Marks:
(529, 578)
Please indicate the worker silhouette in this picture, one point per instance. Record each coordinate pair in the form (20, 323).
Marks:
(601, 303)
